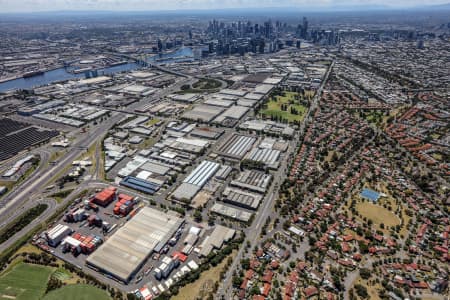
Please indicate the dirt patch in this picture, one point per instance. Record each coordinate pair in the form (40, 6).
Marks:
(200, 199)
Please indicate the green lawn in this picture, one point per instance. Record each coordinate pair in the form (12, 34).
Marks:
(77, 292)
(61, 195)
(274, 108)
(207, 84)
(152, 122)
(61, 274)
(24, 282)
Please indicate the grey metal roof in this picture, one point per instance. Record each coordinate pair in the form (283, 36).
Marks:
(124, 252)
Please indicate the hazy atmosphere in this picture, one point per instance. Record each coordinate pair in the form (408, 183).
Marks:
(224, 149)
(154, 5)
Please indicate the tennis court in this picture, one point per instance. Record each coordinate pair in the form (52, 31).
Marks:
(370, 194)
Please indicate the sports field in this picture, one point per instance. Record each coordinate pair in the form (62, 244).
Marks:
(285, 107)
(77, 292)
(24, 282)
(377, 213)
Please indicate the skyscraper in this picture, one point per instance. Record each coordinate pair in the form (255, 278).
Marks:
(304, 32)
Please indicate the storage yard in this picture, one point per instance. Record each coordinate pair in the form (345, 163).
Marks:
(183, 178)
(115, 236)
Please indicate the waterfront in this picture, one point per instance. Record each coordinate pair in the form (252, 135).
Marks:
(61, 74)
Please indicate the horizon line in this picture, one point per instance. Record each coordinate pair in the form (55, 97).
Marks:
(321, 8)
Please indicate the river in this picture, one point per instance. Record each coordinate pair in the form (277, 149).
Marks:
(182, 54)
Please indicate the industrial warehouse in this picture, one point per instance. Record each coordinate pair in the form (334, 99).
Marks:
(236, 146)
(195, 181)
(125, 252)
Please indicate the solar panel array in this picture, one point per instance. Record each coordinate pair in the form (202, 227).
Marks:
(7, 126)
(16, 136)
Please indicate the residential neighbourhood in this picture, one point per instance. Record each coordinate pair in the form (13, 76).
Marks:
(200, 155)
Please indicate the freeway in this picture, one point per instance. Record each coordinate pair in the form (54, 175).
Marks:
(51, 203)
(16, 199)
(44, 157)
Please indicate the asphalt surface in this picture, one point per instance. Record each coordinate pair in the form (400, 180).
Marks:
(16, 201)
(28, 193)
(252, 233)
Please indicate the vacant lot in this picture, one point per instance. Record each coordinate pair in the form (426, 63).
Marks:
(24, 282)
(200, 288)
(377, 214)
(286, 107)
(372, 290)
(77, 292)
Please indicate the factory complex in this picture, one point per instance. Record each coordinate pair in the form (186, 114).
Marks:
(122, 254)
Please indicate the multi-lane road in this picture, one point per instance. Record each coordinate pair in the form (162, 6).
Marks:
(252, 234)
(29, 192)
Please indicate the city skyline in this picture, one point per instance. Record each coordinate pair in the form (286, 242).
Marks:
(10, 6)
(224, 150)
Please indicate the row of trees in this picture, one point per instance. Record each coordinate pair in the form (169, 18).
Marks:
(21, 222)
(212, 260)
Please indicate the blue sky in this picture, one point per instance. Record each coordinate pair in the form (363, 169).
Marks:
(49, 5)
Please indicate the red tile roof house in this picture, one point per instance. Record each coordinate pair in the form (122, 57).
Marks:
(258, 297)
(346, 263)
(293, 277)
(266, 289)
(311, 291)
(274, 264)
(418, 285)
(345, 247)
(249, 274)
(357, 256)
(241, 294)
(348, 238)
(244, 284)
(268, 275)
(289, 289)
(378, 238)
(301, 266)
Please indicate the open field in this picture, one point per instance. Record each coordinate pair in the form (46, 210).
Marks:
(28, 248)
(378, 214)
(285, 107)
(147, 143)
(25, 282)
(207, 84)
(200, 288)
(202, 85)
(372, 290)
(152, 122)
(77, 292)
(62, 275)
